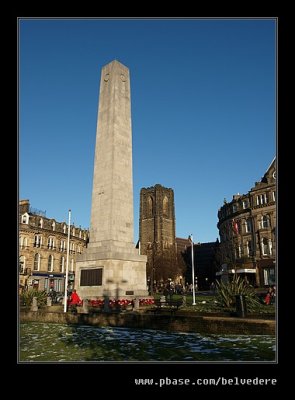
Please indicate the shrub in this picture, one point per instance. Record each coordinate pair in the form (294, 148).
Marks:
(226, 292)
(27, 298)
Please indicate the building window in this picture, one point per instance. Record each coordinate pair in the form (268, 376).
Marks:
(62, 264)
(62, 245)
(23, 242)
(269, 276)
(150, 204)
(73, 231)
(53, 225)
(165, 206)
(40, 223)
(38, 241)
(51, 243)
(72, 248)
(238, 251)
(273, 196)
(22, 264)
(265, 221)
(57, 285)
(245, 204)
(25, 218)
(270, 246)
(64, 228)
(234, 208)
(265, 247)
(248, 225)
(37, 262)
(249, 248)
(265, 198)
(261, 199)
(50, 263)
(258, 200)
(79, 249)
(80, 234)
(91, 277)
(72, 265)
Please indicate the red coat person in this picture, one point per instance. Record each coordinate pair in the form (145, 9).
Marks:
(267, 299)
(75, 299)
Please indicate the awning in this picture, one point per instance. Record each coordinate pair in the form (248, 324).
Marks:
(238, 271)
(48, 275)
(246, 271)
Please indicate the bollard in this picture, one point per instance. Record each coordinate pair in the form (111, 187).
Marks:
(106, 305)
(241, 307)
(85, 307)
(162, 301)
(136, 303)
(34, 306)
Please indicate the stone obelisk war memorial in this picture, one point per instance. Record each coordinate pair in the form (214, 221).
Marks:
(111, 265)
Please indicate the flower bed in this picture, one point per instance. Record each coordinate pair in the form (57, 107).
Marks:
(119, 303)
(146, 302)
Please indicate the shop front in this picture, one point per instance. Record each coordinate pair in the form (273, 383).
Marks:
(47, 281)
(267, 272)
(248, 274)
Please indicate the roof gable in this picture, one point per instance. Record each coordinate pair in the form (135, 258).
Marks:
(269, 177)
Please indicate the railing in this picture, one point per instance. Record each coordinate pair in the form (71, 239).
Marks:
(35, 211)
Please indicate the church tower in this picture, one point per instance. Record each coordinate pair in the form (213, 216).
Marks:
(157, 232)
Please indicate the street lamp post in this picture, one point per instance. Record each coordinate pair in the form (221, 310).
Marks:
(152, 279)
(153, 271)
(67, 265)
(193, 269)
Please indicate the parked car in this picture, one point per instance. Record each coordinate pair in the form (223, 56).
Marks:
(60, 297)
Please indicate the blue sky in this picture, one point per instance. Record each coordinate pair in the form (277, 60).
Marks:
(203, 111)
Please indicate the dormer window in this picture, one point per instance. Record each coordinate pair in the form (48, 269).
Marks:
(25, 218)
(245, 204)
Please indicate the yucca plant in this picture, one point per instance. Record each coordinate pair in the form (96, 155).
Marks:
(226, 292)
(27, 297)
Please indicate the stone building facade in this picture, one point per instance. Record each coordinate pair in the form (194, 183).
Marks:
(247, 228)
(205, 264)
(157, 235)
(43, 250)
